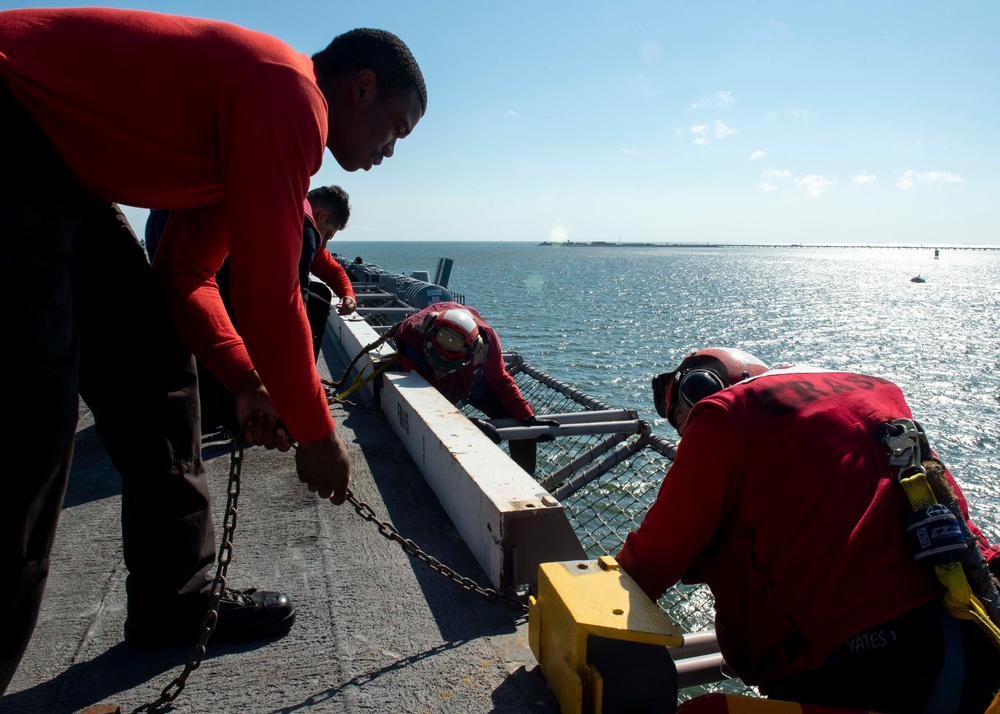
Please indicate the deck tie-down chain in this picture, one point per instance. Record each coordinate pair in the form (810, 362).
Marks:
(211, 619)
(410, 548)
(176, 686)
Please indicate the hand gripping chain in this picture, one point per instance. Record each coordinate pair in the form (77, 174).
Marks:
(173, 690)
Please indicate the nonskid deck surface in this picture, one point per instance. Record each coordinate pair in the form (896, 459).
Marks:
(376, 630)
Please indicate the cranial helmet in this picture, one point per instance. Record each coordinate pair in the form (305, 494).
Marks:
(701, 374)
(451, 339)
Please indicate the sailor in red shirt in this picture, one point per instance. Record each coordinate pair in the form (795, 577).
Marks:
(328, 209)
(459, 354)
(225, 125)
(781, 498)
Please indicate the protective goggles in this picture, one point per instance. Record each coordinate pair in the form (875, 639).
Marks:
(445, 349)
(451, 341)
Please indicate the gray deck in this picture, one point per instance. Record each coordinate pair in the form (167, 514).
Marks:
(376, 630)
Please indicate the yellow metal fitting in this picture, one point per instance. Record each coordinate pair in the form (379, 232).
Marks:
(600, 641)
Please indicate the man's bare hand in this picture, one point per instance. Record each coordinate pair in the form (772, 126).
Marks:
(324, 468)
(258, 417)
(347, 306)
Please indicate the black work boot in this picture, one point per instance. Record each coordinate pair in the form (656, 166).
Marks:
(244, 615)
(253, 614)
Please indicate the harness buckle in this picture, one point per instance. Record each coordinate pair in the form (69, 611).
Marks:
(904, 439)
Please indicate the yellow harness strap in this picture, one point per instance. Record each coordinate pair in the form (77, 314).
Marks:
(361, 381)
(958, 599)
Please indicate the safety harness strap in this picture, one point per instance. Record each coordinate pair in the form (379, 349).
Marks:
(907, 446)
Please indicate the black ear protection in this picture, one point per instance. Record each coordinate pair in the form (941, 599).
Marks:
(476, 347)
(696, 384)
(683, 389)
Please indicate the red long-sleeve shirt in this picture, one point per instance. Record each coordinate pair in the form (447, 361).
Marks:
(780, 482)
(458, 385)
(225, 125)
(332, 273)
(323, 265)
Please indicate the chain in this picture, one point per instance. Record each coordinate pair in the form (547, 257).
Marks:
(388, 530)
(172, 690)
(386, 336)
(411, 549)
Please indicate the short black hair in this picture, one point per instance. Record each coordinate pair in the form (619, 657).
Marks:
(383, 53)
(335, 200)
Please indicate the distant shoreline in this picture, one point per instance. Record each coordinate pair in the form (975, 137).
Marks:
(606, 244)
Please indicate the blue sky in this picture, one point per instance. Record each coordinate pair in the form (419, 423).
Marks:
(747, 122)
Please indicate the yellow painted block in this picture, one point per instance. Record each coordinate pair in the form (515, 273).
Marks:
(580, 599)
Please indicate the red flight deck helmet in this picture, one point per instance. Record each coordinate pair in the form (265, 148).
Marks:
(699, 375)
(451, 339)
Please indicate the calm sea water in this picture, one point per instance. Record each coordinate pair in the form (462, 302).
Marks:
(607, 319)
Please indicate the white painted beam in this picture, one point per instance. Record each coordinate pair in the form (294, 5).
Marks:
(510, 523)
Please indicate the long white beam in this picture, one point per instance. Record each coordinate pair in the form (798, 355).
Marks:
(510, 523)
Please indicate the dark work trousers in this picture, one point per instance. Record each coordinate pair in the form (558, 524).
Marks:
(315, 295)
(318, 308)
(218, 405)
(921, 661)
(523, 452)
(82, 315)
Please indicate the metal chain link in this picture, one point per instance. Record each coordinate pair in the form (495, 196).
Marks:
(411, 549)
(390, 532)
(211, 619)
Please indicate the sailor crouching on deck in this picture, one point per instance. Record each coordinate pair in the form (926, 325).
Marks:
(459, 354)
(225, 126)
(782, 499)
